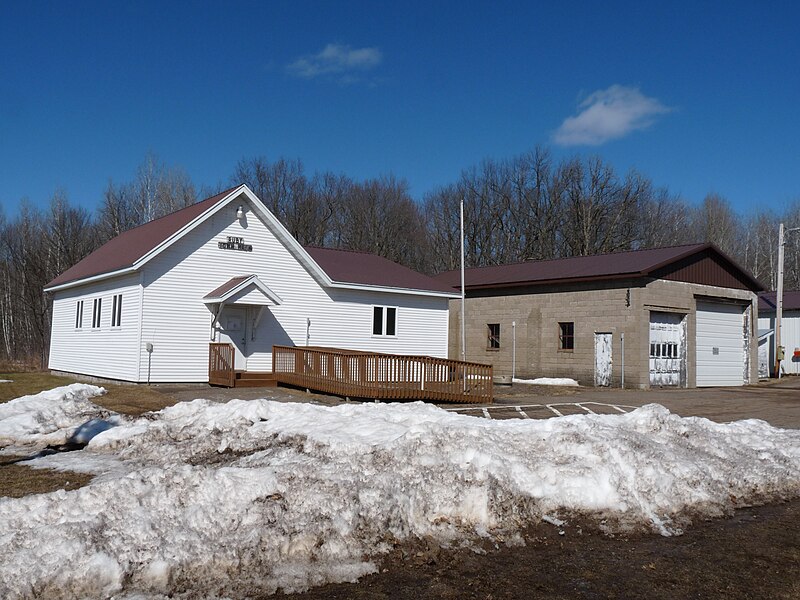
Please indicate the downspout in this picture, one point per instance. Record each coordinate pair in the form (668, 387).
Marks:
(513, 350)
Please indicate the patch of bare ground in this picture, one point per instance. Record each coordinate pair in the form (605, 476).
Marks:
(126, 399)
(754, 554)
(18, 480)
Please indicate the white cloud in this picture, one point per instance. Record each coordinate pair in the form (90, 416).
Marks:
(607, 115)
(336, 60)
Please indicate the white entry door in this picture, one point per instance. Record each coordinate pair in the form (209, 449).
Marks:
(720, 344)
(667, 346)
(234, 331)
(602, 359)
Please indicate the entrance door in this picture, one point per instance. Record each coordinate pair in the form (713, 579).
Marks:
(602, 359)
(234, 331)
(667, 347)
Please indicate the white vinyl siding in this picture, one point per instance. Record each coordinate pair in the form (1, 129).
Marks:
(178, 324)
(720, 344)
(101, 351)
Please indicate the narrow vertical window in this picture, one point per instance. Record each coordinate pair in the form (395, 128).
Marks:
(493, 336)
(79, 315)
(391, 316)
(377, 320)
(97, 309)
(116, 311)
(566, 336)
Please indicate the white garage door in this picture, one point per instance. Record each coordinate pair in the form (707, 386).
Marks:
(720, 344)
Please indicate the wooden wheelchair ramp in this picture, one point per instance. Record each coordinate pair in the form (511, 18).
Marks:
(370, 375)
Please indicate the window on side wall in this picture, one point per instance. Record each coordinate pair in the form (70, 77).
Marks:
(384, 320)
(97, 310)
(79, 315)
(566, 336)
(493, 336)
(116, 311)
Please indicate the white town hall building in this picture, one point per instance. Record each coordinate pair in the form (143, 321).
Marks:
(145, 306)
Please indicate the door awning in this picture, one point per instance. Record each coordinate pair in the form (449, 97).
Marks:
(244, 289)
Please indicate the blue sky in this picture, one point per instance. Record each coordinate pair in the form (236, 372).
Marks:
(701, 97)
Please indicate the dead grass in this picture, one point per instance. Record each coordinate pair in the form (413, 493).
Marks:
(18, 480)
(126, 399)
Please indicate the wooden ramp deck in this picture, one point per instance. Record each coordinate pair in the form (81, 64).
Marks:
(370, 375)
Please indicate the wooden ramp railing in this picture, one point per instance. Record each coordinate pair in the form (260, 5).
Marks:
(355, 374)
(220, 365)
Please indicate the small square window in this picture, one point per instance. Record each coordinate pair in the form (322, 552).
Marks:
(493, 336)
(566, 336)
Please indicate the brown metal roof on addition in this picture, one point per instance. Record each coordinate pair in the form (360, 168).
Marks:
(767, 301)
(695, 263)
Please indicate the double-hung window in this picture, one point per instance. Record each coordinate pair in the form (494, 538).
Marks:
(79, 315)
(384, 320)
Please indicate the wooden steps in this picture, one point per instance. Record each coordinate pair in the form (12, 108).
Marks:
(254, 379)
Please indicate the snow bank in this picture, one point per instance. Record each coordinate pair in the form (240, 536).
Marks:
(48, 417)
(246, 498)
(6, 381)
(547, 381)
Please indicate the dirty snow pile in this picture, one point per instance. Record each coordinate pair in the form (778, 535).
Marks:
(48, 417)
(245, 498)
(547, 381)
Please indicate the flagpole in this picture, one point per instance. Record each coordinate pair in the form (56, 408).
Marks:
(463, 295)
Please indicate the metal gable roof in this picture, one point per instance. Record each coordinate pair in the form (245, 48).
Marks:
(124, 250)
(342, 268)
(767, 301)
(635, 263)
(349, 266)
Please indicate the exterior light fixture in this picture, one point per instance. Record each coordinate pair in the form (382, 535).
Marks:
(240, 213)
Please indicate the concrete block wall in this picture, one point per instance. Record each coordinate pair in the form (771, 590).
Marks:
(614, 307)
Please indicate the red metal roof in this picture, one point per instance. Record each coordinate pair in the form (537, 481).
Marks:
(767, 301)
(342, 266)
(635, 263)
(124, 250)
(226, 287)
(349, 266)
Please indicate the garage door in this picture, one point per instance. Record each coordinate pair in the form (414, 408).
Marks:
(666, 348)
(720, 344)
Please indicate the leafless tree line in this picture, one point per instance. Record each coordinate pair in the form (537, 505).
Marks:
(530, 207)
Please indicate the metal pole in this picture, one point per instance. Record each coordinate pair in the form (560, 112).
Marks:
(513, 350)
(779, 302)
(622, 338)
(463, 294)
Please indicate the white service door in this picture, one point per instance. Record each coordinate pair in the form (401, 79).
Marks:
(720, 344)
(666, 348)
(602, 359)
(234, 331)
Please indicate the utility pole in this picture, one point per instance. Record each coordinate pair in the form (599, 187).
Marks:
(779, 297)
